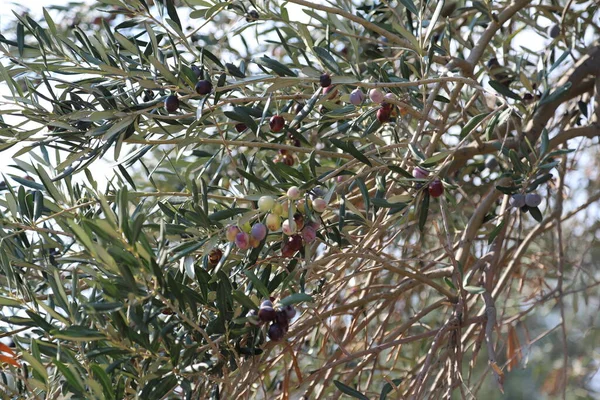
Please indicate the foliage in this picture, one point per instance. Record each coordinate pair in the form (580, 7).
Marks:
(130, 288)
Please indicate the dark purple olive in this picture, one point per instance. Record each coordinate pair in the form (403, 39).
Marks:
(325, 80)
(267, 314)
(290, 311)
(197, 71)
(276, 332)
(203, 87)
(554, 31)
(171, 103)
(436, 188)
(252, 16)
(240, 127)
(384, 115)
(420, 173)
(276, 123)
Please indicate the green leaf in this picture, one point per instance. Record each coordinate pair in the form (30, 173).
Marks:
(7, 302)
(474, 289)
(536, 213)
(416, 152)
(258, 284)
(387, 388)
(545, 142)
(349, 148)
(423, 211)
(327, 59)
(295, 299)
(349, 390)
(364, 191)
(410, 6)
(550, 97)
(172, 11)
(77, 334)
(275, 66)
(20, 38)
(400, 171)
(495, 232)
(101, 376)
(435, 159)
(257, 181)
(516, 161)
(473, 122)
(71, 378)
(504, 90)
(244, 300)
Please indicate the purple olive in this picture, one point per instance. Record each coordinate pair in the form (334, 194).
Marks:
(266, 312)
(436, 188)
(517, 200)
(325, 80)
(309, 234)
(357, 97)
(242, 240)
(533, 200)
(290, 311)
(420, 173)
(276, 332)
(203, 87)
(259, 231)
(171, 103)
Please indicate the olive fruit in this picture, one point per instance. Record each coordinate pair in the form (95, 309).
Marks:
(293, 193)
(517, 200)
(276, 332)
(325, 80)
(266, 312)
(266, 203)
(215, 256)
(240, 127)
(319, 205)
(299, 220)
(376, 96)
(252, 16)
(231, 232)
(533, 199)
(309, 234)
(383, 115)
(290, 311)
(171, 103)
(197, 71)
(259, 231)
(289, 227)
(273, 222)
(276, 123)
(242, 240)
(420, 173)
(203, 87)
(357, 97)
(436, 188)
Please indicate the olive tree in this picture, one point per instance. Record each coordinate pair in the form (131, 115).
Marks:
(373, 199)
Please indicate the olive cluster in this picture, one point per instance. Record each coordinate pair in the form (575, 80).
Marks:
(275, 216)
(357, 97)
(279, 317)
(435, 188)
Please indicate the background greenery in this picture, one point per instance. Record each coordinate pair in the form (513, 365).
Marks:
(105, 287)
